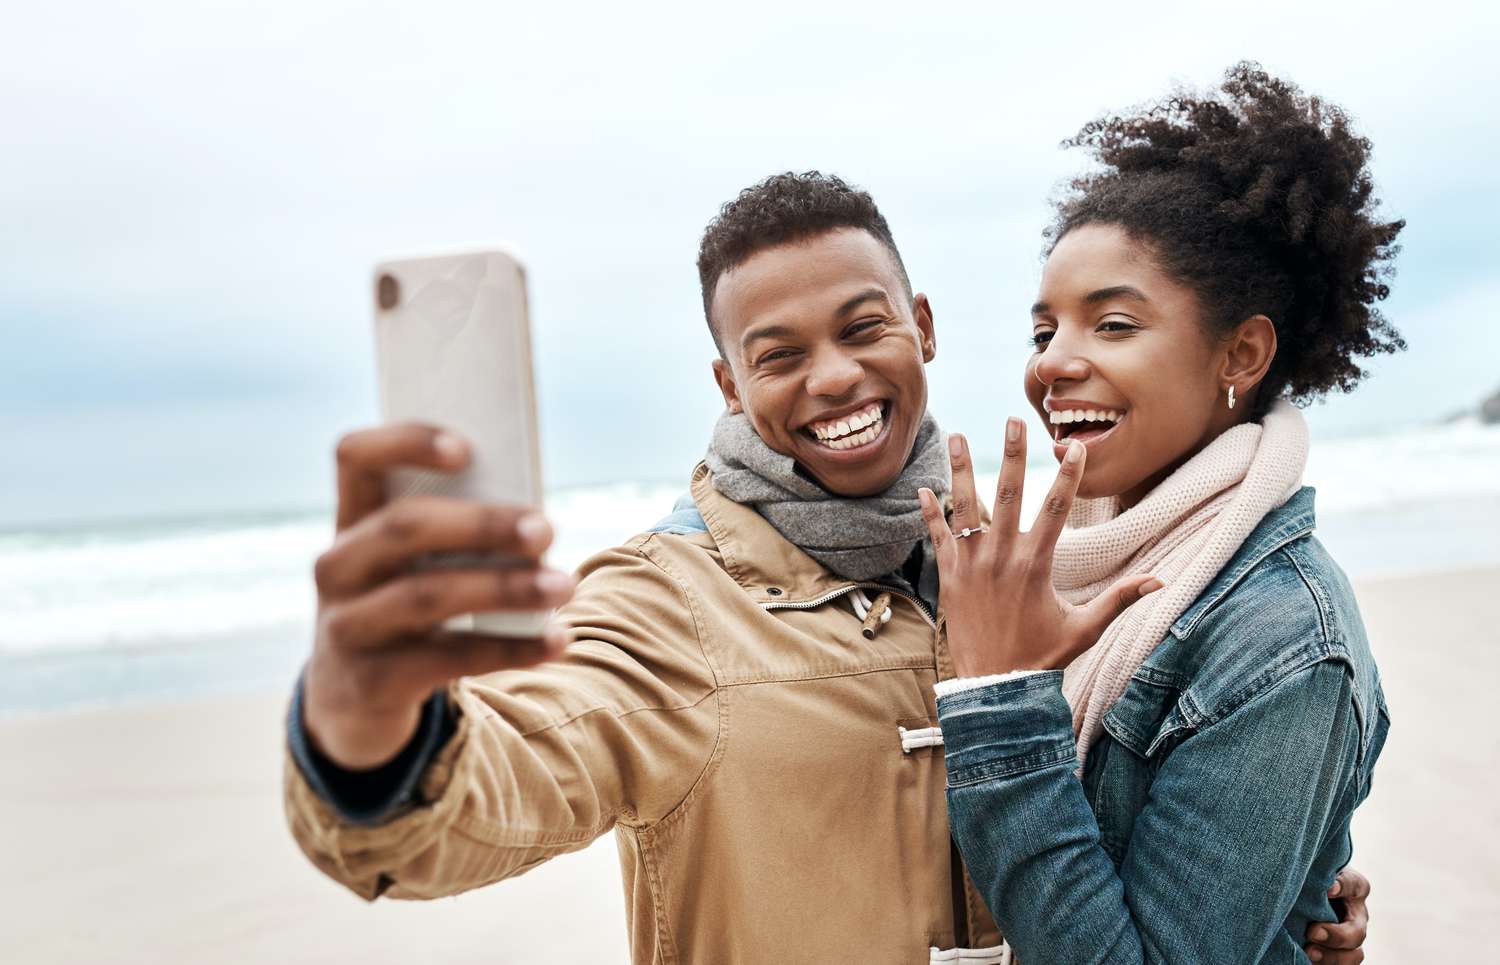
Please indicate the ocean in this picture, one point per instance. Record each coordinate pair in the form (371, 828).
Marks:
(156, 609)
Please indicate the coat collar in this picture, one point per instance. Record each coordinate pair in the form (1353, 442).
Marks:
(766, 564)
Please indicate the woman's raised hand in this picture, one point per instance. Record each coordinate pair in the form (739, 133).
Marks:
(1003, 612)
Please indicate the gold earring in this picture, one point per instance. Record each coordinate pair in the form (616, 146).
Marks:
(1231, 397)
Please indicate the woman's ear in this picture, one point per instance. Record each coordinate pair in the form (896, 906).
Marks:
(1248, 354)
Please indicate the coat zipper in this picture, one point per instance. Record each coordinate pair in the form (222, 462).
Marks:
(844, 590)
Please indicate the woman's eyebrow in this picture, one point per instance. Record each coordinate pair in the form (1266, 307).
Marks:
(1114, 291)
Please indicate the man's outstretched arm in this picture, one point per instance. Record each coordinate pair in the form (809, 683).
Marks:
(537, 761)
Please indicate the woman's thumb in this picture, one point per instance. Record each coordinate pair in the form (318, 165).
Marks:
(1107, 606)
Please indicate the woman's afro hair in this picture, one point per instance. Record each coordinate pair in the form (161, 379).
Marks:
(1258, 197)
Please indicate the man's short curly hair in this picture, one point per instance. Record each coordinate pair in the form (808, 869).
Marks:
(782, 209)
(1258, 197)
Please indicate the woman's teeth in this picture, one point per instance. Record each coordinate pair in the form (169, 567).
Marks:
(851, 430)
(1064, 417)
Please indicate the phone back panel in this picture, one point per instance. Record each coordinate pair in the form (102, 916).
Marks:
(454, 349)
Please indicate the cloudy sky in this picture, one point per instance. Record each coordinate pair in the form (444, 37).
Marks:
(192, 195)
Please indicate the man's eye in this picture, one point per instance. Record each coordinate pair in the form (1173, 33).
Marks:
(777, 355)
(861, 328)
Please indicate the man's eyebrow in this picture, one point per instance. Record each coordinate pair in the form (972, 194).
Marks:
(765, 331)
(867, 295)
(786, 331)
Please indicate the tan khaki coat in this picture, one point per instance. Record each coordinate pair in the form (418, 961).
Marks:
(723, 714)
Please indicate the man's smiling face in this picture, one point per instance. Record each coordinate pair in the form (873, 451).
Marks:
(824, 351)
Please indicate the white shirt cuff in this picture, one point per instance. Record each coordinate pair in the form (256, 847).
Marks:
(944, 688)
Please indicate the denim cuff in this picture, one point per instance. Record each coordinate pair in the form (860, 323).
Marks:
(1017, 725)
(374, 796)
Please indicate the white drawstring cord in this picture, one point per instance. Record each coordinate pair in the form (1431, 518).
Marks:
(862, 604)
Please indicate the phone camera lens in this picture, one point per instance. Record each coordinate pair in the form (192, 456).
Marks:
(387, 292)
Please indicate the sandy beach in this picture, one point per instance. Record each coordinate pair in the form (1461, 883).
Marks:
(154, 834)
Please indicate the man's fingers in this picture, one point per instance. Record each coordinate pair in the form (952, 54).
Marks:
(965, 498)
(365, 456)
(444, 656)
(385, 541)
(1328, 956)
(417, 665)
(1054, 513)
(1350, 885)
(937, 526)
(1006, 519)
(1338, 935)
(416, 604)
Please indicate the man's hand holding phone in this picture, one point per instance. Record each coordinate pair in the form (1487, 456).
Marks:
(380, 648)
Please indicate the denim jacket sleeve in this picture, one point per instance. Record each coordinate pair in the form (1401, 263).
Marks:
(1217, 857)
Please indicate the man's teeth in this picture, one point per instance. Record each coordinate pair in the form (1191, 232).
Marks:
(850, 431)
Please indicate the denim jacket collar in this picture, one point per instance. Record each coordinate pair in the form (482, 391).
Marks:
(1290, 521)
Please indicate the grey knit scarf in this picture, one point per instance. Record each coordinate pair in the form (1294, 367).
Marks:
(864, 538)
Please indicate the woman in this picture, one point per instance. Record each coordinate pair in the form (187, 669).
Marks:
(1182, 792)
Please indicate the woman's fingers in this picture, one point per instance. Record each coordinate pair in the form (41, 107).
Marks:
(937, 526)
(1094, 617)
(417, 604)
(1006, 518)
(365, 456)
(1054, 513)
(965, 513)
(384, 542)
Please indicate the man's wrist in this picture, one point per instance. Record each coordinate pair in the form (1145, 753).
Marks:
(372, 795)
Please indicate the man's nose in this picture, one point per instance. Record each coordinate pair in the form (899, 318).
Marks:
(833, 373)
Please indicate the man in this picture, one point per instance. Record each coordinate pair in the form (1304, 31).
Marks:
(745, 694)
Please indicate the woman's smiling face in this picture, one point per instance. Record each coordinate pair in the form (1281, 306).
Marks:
(1123, 363)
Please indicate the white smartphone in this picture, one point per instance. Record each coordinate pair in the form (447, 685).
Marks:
(453, 348)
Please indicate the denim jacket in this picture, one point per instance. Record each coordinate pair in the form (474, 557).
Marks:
(1213, 813)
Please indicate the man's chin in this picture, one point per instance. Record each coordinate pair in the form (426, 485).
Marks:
(852, 477)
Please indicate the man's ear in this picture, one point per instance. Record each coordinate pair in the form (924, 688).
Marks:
(1250, 349)
(921, 309)
(724, 375)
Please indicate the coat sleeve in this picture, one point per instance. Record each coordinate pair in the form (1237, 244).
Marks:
(543, 761)
(1217, 857)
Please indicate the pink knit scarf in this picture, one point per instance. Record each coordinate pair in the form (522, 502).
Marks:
(1184, 532)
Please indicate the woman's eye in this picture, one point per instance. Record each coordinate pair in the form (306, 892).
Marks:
(1040, 339)
(1115, 325)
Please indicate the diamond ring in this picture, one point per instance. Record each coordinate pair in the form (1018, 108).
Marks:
(968, 531)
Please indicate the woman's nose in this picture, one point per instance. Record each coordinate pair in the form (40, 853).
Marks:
(833, 373)
(1060, 361)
